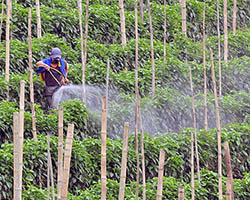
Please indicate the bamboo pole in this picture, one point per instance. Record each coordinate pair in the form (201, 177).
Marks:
(137, 105)
(234, 16)
(32, 102)
(181, 193)
(67, 157)
(230, 186)
(1, 22)
(160, 174)
(7, 44)
(184, 17)
(219, 46)
(122, 20)
(124, 162)
(141, 10)
(21, 130)
(60, 153)
(48, 180)
(225, 31)
(107, 84)
(16, 192)
(50, 168)
(152, 48)
(204, 67)
(103, 150)
(142, 157)
(218, 127)
(165, 32)
(194, 124)
(38, 18)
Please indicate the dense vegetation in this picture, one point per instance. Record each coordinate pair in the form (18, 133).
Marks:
(168, 115)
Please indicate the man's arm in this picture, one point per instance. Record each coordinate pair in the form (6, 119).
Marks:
(42, 64)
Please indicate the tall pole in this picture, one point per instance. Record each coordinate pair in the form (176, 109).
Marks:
(225, 31)
(32, 102)
(141, 10)
(1, 22)
(160, 175)
(218, 127)
(122, 20)
(165, 32)
(137, 104)
(184, 17)
(38, 19)
(152, 48)
(234, 16)
(219, 46)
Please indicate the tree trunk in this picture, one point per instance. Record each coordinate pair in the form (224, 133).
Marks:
(103, 150)
(218, 126)
(124, 162)
(225, 31)
(32, 102)
(160, 175)
(122, 19)
(152, 49)
(38, 19)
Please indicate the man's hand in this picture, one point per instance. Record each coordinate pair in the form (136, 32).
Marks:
(47, 67)
(66, 80)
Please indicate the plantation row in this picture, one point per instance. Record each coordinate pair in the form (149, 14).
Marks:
(104, 21)
(85, 161)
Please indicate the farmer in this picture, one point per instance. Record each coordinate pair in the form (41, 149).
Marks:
(53, 70)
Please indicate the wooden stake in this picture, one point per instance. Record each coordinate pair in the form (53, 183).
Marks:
(152, 48)
(103, 150)
(107, 84)
(165, 31)
(50, 168)
(38, 18)
(7, 51)
(218, 126)
(142, 158)
(160, 174)
(192, 167)
(181, 193)
(183, 15)
(230, 186)
(21, 130)
(67, 157)
(219, 46)
(17, 192)
(137, 105)
(225, 31)
(141, 10)
(124, 162)
(234, 16)
(194, 124)
(60, 153)
(205, 68)
(1, 22)
(122, 20)
(32, 102)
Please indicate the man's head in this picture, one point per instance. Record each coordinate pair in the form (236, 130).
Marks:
(56, 53)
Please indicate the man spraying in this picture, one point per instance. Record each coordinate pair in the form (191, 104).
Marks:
(53, 70)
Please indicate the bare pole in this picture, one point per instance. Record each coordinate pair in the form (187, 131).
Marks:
(160, 174)
(39, 27)
(192, 167)
(124, 162)
(50, 169)
(204, 67)
(230, 185)
(1, 22)
(21, 130)
(141, 10)
(32, 102)
(194, 124)
(184, 17)
(7, 44)
(152, 48)
(219, 46)
(60, 153)
(234, 16)
(107, 83)
(67, 158)
(122, 20)
(165, 32)
(142, 157)
(181, 193)
(103, 150)
(137, 105)
(225, 31)
(218, 127)
(16, 191)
